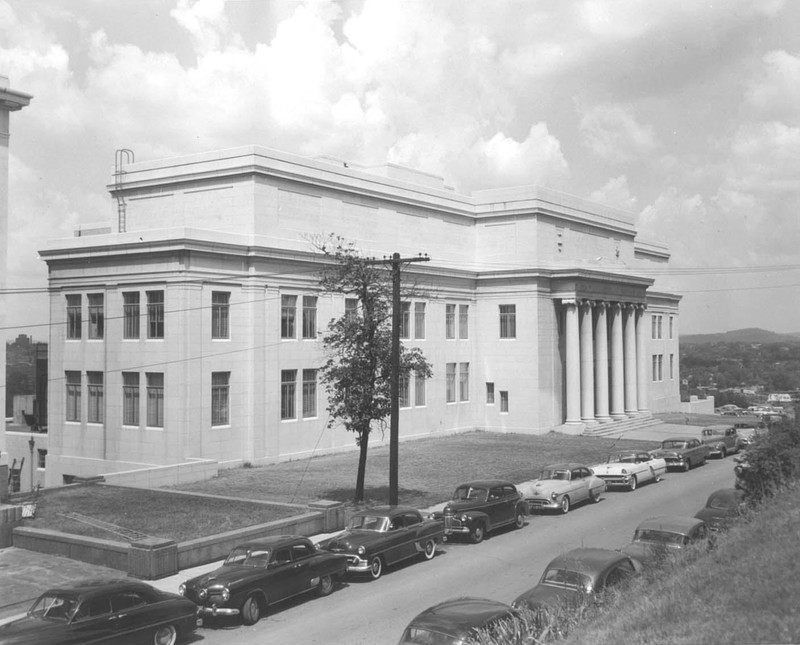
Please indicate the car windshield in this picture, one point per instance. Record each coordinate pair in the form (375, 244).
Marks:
(622, 458)
(470, 492)
(421, 636)
(554, 473)
(567, 578)
(248, 557)
(56, 607)
(368, 523)
(659, 537)
(674, 444)
(722, 502)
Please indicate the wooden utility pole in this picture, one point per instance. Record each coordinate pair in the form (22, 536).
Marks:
(394, 427)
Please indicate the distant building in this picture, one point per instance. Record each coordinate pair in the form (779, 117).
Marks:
(188, 336)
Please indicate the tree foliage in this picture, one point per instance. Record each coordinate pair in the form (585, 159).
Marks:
(357, 371)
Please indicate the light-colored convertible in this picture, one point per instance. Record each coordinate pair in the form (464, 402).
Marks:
(630, 468)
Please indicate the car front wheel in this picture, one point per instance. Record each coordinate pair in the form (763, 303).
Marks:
(565, 504)
(375, 567)
(723, 453)
(632, 483)
(477, 534)
(519, 522)
(429, 551)
(165, 635)
(325, 586)
(686, 466)
(251, 610)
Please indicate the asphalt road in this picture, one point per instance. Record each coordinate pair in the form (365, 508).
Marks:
(502, 567)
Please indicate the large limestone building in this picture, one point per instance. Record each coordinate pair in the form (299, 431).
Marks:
(185, 331)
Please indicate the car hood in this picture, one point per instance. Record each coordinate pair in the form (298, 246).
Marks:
(544, 487)
(227, 575)
(552, 596)
(671, 452)
(457, 506)
(717, 517)
(33, 631)
(612, 469)
(349, 541)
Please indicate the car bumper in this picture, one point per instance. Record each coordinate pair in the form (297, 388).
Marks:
(218, 611)
(535, 504)
(616, 480)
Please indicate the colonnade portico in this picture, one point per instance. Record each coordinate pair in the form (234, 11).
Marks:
(606, 366)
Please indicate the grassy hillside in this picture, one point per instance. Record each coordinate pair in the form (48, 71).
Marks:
(745, 590)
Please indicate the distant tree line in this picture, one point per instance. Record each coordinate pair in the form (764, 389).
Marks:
(775, 366)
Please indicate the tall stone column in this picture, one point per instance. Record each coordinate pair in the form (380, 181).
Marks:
(642, 395)
(616, 364)
(587, 363)
(629, 341)
(573, 363)
(601, 363)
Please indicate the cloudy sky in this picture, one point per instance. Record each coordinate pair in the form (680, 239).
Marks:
(685, 113)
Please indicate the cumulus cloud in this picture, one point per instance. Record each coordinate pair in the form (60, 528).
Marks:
(615, 193)
(776, 92)
(614, 134)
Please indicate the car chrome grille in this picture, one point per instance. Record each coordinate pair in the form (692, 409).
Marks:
(450, 522)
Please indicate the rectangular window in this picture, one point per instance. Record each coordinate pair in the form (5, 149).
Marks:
(288, 316)
(419, 390)
(671, 327)
(155, 399)
(463, 321)
(449, 321)
(661, 367)
(309, 317)
(73, 412)
(463, 382)
(94, 388)
(503, 401)
(14, 482)
(309, 394)
(660, 318)
(404, 391)
(130, 398)
(419, 320)
(42, 459)
(73, 317)
(288, 387)
(490, 393)
(130, 314)
(405, 320)
(220, 398)
(450, 383)
(350, 308)
(96, 316)
(155, 314)
(508, 321)
(220, 312)
(656, 326)
(672, 366)
(658, 363)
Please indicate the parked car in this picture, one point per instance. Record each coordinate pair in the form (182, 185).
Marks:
(103, 611)
(722, 508)
(630, 468)
(384, 535)
(561, 486)
(458, 622)
(263, 572)
(658, 539)
(721, 439)
(576, 578)
(682, 452)
(479, 507)
(749, 434)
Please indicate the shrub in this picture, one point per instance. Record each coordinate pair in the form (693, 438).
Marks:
(771, 462)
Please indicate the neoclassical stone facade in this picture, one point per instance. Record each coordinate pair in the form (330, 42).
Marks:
(185, 328)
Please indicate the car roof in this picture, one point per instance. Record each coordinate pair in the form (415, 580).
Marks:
(486, 483)
(272, 542)
(386, 511)
(586, 559)
(718, 426)
(564, 466)
(734, 495)
(95, 586)
(459, 616)
(682, 438)
(682, 524)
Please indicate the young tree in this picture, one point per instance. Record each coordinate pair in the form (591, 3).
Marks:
(357, 372)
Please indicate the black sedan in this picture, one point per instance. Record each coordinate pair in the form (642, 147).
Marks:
(118, 612)
(576, 578)
(260, 573)
(722, 509)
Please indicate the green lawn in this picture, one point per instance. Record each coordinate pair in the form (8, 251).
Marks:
(430, 469)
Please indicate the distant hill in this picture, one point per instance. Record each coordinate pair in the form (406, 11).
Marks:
(751, 335)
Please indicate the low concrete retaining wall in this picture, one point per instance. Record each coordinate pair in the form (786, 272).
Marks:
(155, 558)
(10, 518)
